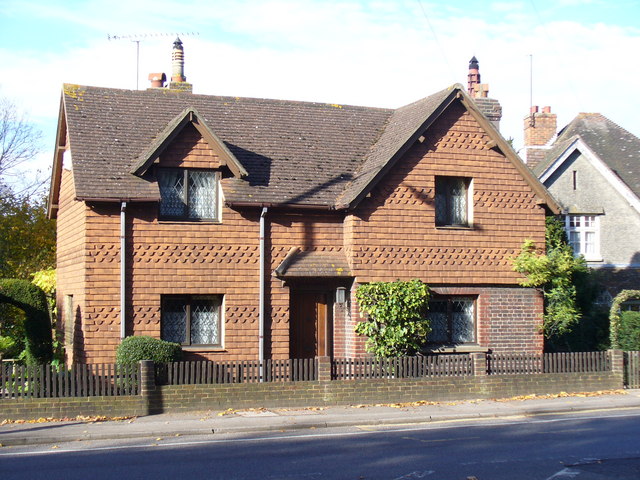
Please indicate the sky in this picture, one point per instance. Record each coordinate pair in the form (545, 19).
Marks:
(573, 55)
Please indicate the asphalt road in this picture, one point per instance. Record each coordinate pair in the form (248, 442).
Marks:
(579, 447)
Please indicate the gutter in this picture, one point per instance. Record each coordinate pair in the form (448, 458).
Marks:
(123, 269)
(261, 309)
(282, 205)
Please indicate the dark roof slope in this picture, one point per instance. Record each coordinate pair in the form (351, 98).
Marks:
(295, 152)
(614, 145)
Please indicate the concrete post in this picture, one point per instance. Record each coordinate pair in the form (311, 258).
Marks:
(479, 361)
(324, 369)
(617, 365)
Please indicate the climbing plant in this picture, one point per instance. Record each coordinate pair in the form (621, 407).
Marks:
(31, 299)
(397, 323)
(615, 314)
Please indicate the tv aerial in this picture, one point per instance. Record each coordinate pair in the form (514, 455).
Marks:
(137, 38)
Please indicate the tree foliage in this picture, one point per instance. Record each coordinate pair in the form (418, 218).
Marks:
(37, 327)
(554, 272)
(397, 324)
(27, 237)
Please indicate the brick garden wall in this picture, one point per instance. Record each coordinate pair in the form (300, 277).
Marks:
(183, 398)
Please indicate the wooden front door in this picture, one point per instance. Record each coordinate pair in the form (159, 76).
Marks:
(309, 325)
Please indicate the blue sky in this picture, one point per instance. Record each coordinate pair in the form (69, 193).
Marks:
(378, 53)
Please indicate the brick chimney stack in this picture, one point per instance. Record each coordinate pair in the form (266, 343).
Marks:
(480, 93)
(540, 130)
(473, 76)
(178, 80)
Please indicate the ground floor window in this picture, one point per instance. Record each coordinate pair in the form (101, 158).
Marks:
(452, 320)
(192, 319)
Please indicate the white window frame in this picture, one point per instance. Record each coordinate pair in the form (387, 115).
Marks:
(581, 226)
(187, 301)
(448, 300)
(440, 196)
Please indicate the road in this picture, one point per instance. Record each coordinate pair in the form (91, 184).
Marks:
(582, 446)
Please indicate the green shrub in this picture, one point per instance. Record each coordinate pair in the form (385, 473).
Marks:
(629, 331)
(37, 326)
(136, 348)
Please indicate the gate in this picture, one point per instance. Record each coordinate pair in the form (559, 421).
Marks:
(632, 369)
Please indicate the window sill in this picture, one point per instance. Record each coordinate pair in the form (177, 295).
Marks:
(204, 348)
(188, 221)
(454, 227)
(468, 348)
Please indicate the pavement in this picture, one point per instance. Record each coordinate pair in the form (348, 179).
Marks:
(211, 422)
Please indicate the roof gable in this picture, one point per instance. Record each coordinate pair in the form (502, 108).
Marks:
(188, 116)
(577, 143)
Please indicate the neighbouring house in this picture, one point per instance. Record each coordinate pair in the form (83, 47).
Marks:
(592, 169)
(241, 227)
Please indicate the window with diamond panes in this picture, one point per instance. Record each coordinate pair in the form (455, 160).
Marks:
(452, 201)
(188, 194)
(452, 321)
(191, 320)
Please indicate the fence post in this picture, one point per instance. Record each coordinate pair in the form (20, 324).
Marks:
(479, 361)
(617, 365)
(147, 384)
(324, 369)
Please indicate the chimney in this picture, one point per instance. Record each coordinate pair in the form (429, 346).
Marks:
(157, 80)
(539, 134)
(480, 93)
(473, 76)
(178, 80)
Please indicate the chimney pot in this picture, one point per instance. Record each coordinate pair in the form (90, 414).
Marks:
(534, 109)
(546, 109)
(157, 80)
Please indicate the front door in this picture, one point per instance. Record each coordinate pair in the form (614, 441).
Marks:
(310, 334)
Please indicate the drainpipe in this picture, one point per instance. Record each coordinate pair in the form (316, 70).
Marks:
(261, 293)
(123, 241)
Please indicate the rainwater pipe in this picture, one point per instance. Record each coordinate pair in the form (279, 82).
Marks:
(123, 270)
(261, 308)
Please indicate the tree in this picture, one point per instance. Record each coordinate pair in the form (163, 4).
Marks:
(554, 272)
(397, 324)
(27, 237)
(19, 143)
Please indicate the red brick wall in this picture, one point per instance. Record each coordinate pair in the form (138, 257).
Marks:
(70, 258)
(393, 233)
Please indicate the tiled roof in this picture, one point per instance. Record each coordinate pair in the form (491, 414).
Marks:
(294, 152)
(314, 264)
(614, 145)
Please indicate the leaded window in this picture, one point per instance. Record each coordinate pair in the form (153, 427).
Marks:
(452, 320)
(188, 194)
(192, 319)
(452, 201)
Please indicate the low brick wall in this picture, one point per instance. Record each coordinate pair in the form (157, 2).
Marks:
(182, 398)
(34, 408)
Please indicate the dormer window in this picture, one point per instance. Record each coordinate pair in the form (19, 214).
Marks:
(189, 194)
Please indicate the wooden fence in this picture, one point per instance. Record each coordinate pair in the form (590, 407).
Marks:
(49, 381)
(632, 369)
(522, 363)
(247, 371)
(404, 367)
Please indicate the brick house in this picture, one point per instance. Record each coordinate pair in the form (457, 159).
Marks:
(241, 227)
(592, 168)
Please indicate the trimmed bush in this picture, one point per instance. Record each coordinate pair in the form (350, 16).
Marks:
(629, 331)
(136, 348)
(31, 299)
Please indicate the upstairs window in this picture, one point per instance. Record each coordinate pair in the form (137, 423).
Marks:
(192, 319)
(188, 194)
(583, 234)
(452, 320)
(452, 201)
